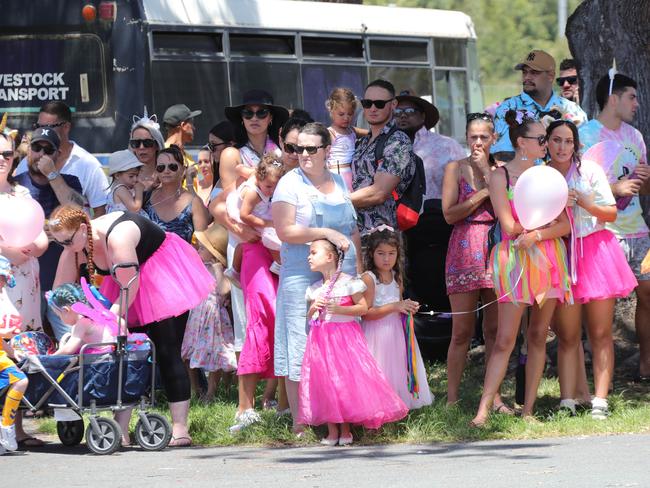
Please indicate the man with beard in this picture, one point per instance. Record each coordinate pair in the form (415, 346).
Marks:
(568, 80)
(416, 117)
(375, 181)
(537, 98)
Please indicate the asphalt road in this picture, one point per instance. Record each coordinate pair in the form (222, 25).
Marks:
(592, 462)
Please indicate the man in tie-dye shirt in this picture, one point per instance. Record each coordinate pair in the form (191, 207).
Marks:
(629, 176)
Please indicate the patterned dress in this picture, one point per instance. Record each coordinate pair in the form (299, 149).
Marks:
(466, 266)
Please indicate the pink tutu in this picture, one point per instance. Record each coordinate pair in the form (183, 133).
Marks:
(260, 288)
(172, 281)
(602, 269)
(341, 382)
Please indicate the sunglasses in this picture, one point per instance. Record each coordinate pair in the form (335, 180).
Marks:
(36, 147)
(7, 154)
(290, 148)
(366, 103)
(478, 116)
(541, 140)
(173, 167)
(405, 111)
(67, 242)
(563, 79)
(212, 146)
(260, 114)
(311, 150)
(136, 143)
(50, 126)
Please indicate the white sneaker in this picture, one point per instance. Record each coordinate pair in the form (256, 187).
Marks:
(275, 267)
(8, 438)
(568, 405)
(233, 276)
(599, 409)
(244, 419)
(2, 451)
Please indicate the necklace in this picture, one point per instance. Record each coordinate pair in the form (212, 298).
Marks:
(255, 151)
(176, 194)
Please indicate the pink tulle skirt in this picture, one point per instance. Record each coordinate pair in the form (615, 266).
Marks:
(172, 281)
(602, 270)
(260, 288)
(341, 382)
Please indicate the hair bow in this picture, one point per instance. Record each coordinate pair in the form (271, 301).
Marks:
(381, 228)
(523, 115)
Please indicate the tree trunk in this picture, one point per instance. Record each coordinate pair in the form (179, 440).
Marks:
(600, 30)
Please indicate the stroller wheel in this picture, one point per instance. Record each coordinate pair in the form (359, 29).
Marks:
(70, 433)
(106, 439)
(156, 436)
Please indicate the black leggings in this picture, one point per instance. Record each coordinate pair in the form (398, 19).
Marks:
(167, 336)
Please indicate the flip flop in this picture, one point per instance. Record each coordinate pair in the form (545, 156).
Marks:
(30, 442)
(180, 442)
(503, 409)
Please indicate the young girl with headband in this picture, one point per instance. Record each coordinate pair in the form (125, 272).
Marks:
(383, 325)
(529, 268)
(340, 383)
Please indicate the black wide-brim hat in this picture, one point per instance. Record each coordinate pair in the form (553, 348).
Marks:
(431, 114)
(257, 97)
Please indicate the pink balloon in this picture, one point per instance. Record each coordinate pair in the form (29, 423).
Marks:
(21, 221)
(540, 195)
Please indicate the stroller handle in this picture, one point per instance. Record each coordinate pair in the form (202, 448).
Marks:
(117, 266)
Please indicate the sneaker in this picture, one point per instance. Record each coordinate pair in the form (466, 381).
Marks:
(269, 405)
(275, 267)
(568, 405)
(2, 451)
(233, 276)
(8, 438)
(599, 410)
(244, 419)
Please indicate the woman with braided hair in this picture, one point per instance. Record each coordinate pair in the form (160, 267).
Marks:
(171, 281)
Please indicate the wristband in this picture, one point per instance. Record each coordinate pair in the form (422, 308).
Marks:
(53, 175)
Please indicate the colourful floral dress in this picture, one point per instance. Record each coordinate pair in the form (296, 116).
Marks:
(466, 266)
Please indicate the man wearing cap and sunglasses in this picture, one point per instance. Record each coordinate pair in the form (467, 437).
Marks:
(179, 123)
(537, 97)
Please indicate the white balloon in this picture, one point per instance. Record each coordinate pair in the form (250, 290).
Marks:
(540, 195)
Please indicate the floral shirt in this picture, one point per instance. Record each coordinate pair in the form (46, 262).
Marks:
(569, 110)
(436, 151)
(629, 221)
(397, 162)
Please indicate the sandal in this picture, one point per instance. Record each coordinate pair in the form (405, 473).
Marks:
(30, 442)
(180, 442)
(503, 409)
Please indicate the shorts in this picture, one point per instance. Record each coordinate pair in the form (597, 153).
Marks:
(635, 249)
(10, 375)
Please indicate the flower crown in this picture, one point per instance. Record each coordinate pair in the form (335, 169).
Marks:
(524, 115)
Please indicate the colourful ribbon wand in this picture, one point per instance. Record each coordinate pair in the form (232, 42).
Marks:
(411, 356)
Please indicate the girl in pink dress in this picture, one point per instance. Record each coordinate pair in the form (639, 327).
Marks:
(341, 383)
(383, 324)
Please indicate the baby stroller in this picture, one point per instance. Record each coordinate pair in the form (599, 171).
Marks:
(121, 378)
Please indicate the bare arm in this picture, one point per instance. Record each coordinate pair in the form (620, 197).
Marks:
(501, 205)
(228, 161)
(200, 215)
(284, 220)
(402, 306)
(359, 308)
(121, 249)
(133, 203)
(381, 190)
(74, 342)
(249, 199)
(65, 270)
(219, 211)
(453, 210)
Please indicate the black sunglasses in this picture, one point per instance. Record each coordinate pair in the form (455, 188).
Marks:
(136, 143)
(479, 116)
(290, 148)
(260, 114)
(50, 126)
(367, 103)
(311, 150)
(405, 111)
(541, 140)
(172, 167)
(67, 242)
(7, 154)
(562, 79)
(36, 147)
(212, 146)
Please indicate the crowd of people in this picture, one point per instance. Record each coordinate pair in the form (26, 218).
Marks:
(278, 254)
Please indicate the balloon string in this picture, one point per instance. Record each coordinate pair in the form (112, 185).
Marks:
(433, 312)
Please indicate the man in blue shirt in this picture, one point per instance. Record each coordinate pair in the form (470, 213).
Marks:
(537, 97)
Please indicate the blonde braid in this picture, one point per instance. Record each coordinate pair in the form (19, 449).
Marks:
(70, 217)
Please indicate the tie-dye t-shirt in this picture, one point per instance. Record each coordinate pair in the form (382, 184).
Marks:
(629, 222)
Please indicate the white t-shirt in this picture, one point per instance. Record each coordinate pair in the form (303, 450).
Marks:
(591, 180)
(292, 189)
(87, 169)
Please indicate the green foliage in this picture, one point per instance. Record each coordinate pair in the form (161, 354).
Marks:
(507, 30)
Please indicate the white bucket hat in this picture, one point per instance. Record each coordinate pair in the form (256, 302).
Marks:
(122, 161)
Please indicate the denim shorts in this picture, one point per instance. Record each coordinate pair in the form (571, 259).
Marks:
(635, 249)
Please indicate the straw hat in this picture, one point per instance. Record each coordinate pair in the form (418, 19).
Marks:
(215, 240)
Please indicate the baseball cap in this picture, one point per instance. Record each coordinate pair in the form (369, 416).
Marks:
(538, 60)
(176, 114)
(122, 161)
(46, 134)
